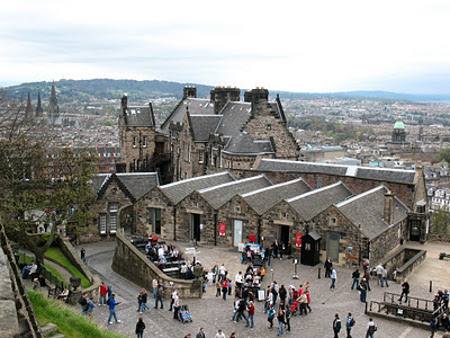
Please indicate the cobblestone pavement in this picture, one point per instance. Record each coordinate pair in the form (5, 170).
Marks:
(213, 313)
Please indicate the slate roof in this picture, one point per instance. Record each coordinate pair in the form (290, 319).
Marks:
(262, 200)
(137, 184)
(176, 191)
(139, 116)
(203, 126)
(218, 195)
(381, 174)
(195, 106)
(312, 203)
(235, 115)
(244, 144)
(367, 210)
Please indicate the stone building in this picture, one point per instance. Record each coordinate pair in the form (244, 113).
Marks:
(116, 196)
(398, 142)
(143, 149)
(222, 133)
(157, 210)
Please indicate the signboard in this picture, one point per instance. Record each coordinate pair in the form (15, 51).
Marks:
(261, 295)
(298, 240)
(222, 228)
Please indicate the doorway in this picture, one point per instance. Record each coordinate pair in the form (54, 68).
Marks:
(414, 234)
(333, 245)
(195, 227)
(237, 232)
(283, 235)
(156, 221)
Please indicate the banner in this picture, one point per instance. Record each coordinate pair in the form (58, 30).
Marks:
(221, 229)
(298, 240)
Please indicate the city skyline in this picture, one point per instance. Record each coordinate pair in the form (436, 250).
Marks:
(298, 47)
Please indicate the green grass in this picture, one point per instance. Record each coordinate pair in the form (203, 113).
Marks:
(57, 255)
(55, 272)
(70, 323)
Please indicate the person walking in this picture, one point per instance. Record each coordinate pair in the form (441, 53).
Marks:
(271, 316)
(237, 300)
(83, 255)
(328, 265)
(155, 284)
(233, 335)
(144, 301)
(349, 325)
(251, 313)
(269, 300)
(103, 292)
(308, 300)
(219, 334)
(140, 327)
(280, 317)
(333, 278)
(91, 306)
(112, 309)
(176, 305)
(355, 276)
(224, 289)
(218, 287)
(83, 301)
(159, 296)
(363, 290)
(336, 325)
(384, 277)
(405, 291)
(201, 333)
(371, 328)
(433, 327)
(379, 273)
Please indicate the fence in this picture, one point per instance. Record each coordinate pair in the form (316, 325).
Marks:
(49, 276)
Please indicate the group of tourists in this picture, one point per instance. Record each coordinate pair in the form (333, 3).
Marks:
(350, 323)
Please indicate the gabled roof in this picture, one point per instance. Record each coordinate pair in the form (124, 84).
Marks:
(244, 144)
(312, 203)
(264, 199)
(203, 126)
(367, 211)
(195, 106)
(218, 195)
(139, 116)
(176, 191)
(134, 185)
(381, 174)
(235, 115)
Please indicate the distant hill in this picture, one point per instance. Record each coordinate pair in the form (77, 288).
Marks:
(138, 91)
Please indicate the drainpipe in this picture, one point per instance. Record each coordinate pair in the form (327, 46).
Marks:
(259, 229)
(174, 213)
(215, 227)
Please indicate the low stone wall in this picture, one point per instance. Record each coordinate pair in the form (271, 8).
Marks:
(407, 268)
(134, 265)
(439, 237)
(69, 251)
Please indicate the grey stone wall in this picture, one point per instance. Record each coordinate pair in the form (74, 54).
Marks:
(9, 325)
(134, 265)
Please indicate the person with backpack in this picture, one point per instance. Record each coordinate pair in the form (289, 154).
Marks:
(371, 328)
(349, 325)
(336, 325)
(140, 327)
(83, 301)
(112, 308)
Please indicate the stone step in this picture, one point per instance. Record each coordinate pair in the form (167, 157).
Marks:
(49, 329)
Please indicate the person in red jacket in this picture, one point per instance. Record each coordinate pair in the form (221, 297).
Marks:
(224, 289)
(251, 312)
(103, 292)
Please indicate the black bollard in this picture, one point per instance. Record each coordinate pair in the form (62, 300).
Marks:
(431, 286)
(318, 274)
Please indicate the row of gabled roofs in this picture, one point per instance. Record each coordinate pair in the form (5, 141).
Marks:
(365, 210)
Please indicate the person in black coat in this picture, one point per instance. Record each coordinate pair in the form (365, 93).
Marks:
(140, 327)
(328, 266)
(405, 291)
(336, 325)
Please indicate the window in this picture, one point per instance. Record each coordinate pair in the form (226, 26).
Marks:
(201, 157)
(333, 221)
(113, 223)
(134, 141)
(144, 141)
(237, 209)
(113, 207)
(103, 223)
(269, 126)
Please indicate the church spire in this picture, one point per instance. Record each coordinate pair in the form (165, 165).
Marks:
(39, 110)
(53, 109)
(29, 109)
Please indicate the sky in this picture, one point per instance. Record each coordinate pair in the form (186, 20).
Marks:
(302, 46)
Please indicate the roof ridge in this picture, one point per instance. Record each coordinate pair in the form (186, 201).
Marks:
(201, 191)
(274, 187)
(195, 179)
(312, 192)
(365, 193)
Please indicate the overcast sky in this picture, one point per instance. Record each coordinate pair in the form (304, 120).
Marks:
(314, 45)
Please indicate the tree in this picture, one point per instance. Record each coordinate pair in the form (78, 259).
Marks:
(440, 220)
(38, 186)
(444, 155)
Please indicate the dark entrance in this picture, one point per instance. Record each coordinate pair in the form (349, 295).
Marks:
(311, 248)
(414, 227)
(156, 221)
(283, 235)
(195, 227)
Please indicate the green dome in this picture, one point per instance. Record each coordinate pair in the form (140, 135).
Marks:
(399, 125)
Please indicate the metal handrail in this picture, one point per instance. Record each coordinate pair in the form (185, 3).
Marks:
(413, 313)
(391, 297)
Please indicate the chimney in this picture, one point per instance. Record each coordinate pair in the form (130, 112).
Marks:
(259, 99)
(221, 95)
(388, 213)
(124, 101)
(189, 91)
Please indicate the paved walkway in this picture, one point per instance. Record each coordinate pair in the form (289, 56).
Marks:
(213, 313)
